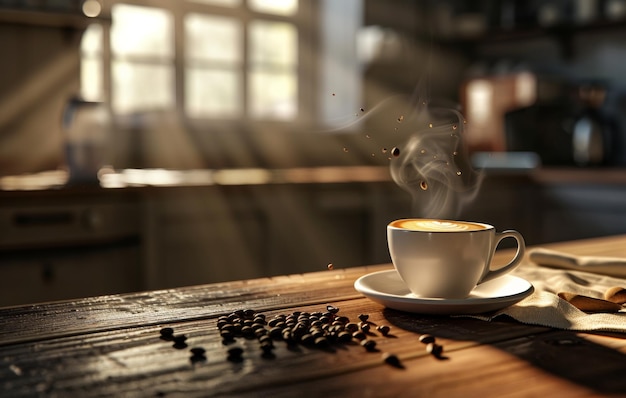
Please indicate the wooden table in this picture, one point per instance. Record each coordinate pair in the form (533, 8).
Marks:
(111, 346)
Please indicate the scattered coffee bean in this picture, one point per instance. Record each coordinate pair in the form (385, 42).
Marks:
(363, 317)
(167, 333)
(198, 351)
(383, 329)
(332, 309)
(427, 338)
(352, 327)
(359, 335)
(236, 351)
(235, 354)
(179, 338)
(369, 345)
(434, 349)
(391, 359)
(179, 341)
(364, 326)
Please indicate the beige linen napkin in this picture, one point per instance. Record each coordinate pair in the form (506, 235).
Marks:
(543, 307)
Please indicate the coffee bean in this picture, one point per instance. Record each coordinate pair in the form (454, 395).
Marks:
(316, 323)
(434, 349)
(332, 309)
(317, 332)
(352, 327)
(308, 339)
(179, 338)
(369, 345)
(167, 333)
(197, 358)
(344, 337)
(364, 326)
(267, 348)
(391, 359)
(325, 319)
(287, 336)
(363, 317)
(321, 342)
(197, 351)
(359, 335)
(342, 319)
(427, 339)
(227, 335)
(383, 329)
(276, 333)
(179, 341)
(247, 331)
(235, 354)
(249, 313)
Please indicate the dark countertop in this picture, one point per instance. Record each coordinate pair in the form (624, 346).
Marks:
(161, 178)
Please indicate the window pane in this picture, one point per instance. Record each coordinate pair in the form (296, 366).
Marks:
(91, 68)
(223, 3)
(280, 7)
(273, 43)
(137, 87)
(212, 93)
(273, 95)
(140, 30)
(91, 42)
(91, 85)
(213, 38)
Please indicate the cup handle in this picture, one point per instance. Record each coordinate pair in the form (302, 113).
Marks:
(519, 256)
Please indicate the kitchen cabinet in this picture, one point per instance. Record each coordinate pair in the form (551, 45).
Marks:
(62, 245)
(212, 234)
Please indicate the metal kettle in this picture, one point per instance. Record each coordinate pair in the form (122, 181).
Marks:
(86, 129)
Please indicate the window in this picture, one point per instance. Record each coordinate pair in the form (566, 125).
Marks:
(142, 52)
(213, 59)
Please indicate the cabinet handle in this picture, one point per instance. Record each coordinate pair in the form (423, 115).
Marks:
(38, 219)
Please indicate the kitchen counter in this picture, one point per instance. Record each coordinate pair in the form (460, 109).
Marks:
(113, 346)
(57, 180)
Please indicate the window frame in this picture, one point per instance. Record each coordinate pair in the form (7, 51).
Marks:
(305, 20)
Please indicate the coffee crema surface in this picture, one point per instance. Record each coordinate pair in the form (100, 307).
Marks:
(430, 225)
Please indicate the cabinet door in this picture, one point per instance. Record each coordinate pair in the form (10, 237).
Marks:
(204, 235)
(58, 275)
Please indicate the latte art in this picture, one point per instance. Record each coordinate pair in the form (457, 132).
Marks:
(428, 225)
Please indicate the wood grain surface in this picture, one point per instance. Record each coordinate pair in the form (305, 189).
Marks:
(111, 346)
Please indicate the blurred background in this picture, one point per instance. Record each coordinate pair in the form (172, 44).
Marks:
(149, 144)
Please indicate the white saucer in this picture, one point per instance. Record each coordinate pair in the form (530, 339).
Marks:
(386, 288)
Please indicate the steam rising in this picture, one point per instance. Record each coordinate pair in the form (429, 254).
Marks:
(433, 164)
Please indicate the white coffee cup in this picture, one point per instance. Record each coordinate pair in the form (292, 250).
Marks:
(447, 258)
